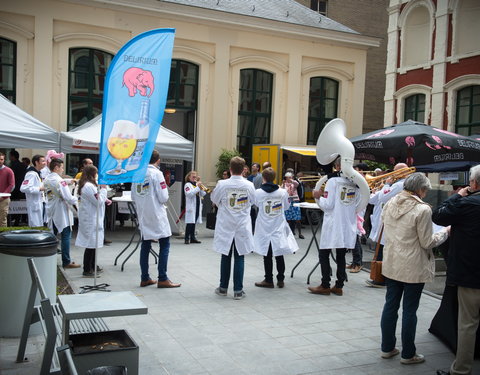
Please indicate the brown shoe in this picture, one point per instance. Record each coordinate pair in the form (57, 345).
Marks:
(349, 266)
(356, 269)
(147, 283)
(72, 265)
(167, 284)
(319, 290)
(265, 284)
(337, 291)
(280, 284)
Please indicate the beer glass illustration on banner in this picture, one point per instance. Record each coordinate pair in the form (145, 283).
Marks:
(121, 143)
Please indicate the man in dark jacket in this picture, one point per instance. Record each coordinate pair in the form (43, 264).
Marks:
(462, 212)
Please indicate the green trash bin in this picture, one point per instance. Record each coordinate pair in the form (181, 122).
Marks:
(15, 281)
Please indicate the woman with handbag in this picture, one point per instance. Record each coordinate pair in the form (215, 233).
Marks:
(408, 263)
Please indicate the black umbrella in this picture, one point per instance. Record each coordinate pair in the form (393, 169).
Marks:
(425, 147)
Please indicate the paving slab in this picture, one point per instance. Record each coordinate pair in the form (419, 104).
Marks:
(192, 331)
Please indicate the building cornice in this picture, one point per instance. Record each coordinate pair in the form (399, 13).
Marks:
(17, 30)
(253, 59)
(87, 36)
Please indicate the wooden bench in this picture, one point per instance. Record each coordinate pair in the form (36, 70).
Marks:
(50, 318)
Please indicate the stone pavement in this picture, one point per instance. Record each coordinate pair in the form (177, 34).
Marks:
(192, 331)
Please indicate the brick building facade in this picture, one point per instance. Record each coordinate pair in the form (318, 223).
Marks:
(368, 17)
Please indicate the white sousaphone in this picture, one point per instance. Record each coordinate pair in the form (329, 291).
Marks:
(330, 144)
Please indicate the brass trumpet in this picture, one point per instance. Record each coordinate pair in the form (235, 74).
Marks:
(376, 183)
(309, 178)
(204, 188)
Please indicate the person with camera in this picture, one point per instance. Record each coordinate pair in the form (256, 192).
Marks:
(462, 212)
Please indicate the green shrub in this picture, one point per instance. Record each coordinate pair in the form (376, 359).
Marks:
(223, 162)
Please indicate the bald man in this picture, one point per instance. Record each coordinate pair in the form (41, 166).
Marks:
(378, 200)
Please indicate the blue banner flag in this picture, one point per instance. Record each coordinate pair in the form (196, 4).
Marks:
(133, 105)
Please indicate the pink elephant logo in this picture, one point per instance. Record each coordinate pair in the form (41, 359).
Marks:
(382, 133)
(410, 141)
(439, 144)
(138, 79)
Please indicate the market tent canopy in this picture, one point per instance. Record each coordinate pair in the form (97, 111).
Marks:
(425, 147)
(302, 150)
(86, 140)
(20, 130)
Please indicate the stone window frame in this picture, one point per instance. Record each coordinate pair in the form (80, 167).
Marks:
(455, 57)
(407, 91)
(451, 89)
(407, 11)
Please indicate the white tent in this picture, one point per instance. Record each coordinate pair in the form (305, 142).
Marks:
(20, 130)
(86, 139)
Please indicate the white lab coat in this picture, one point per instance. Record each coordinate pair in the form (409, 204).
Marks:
(44, 172)
(190, 203)
(150, 198)
(379, 199)
(35, 199)
(339, 204)
(59, 198)
(87, 217)
(233, 197)
(271, 225)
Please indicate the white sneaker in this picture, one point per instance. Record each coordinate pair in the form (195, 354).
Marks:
(417, 358)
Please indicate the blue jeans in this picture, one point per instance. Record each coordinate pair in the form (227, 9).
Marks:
(164, 245)
(66, 235)
(411, 298)
(238, 269)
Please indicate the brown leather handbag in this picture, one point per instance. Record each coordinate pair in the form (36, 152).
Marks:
(376, 265)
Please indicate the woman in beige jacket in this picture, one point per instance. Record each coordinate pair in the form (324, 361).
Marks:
(408, 263)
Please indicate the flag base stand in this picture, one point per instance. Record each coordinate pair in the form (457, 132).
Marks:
(95, 288)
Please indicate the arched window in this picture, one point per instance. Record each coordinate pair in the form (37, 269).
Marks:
(467, 27)
(467, 120)
(183, 86)
(8, 69)
(183, 97)
(416, 37)
(254, 110)
(322, 106)
(87, 71)
(415, 108)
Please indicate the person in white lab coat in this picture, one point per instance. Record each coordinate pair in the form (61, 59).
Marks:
(150, 198)
(51, 154)
(233, 231)
(89, 235)
(193, 205)
(379, 199)
(339, 229)
(60, 203)
(273, 236)
(33, 188)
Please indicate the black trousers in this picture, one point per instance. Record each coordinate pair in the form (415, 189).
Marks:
(89, 260)
(190, 232)
(268, 265)
(324, 257)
